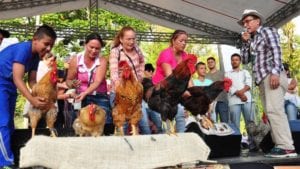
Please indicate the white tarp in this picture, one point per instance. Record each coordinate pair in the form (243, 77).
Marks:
(115, 152)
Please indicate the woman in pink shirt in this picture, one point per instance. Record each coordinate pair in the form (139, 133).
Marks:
(168, 59)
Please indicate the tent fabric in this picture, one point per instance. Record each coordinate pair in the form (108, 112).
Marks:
(223, 14)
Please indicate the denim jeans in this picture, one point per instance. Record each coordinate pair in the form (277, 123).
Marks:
(154, 117)
(247, 109)
(291, 110)
(180, 120)
(222, 110)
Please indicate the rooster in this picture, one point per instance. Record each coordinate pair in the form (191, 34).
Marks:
(45, 88)
(201, 97)
(91, 121)
(165, 96)
(128, 100)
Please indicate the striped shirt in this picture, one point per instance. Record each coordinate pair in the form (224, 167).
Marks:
(264, 50)
(117, 55)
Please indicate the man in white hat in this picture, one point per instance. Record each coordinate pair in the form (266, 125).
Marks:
(261, 46)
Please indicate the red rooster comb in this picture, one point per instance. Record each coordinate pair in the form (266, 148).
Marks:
(123, 64)
(53, 73)
(227, 84)
(192, 58)
(92, 108)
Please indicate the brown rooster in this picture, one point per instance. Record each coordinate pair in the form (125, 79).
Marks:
(128, 100)
(45, 88)
(201, 97)
(165, 96)
(91, 121)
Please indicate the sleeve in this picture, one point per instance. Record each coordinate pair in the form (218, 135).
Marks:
(248, 79)
(113, 65)
(273, 43)
(141, 65)
(22, 53)
(245, 53)
(163, 58)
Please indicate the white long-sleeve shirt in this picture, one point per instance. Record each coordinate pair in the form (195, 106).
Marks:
(239, 78)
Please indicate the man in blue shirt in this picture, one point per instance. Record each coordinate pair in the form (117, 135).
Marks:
(261, 46)
(15, 61)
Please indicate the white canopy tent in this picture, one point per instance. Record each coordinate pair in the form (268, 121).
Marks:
(203, 17)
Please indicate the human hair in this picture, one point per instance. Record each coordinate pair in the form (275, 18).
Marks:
(175, 35)
(94, 36)
(45, 30)
(236, 55)
(200, 63)
(149, 67)
(211, 58)
(5, 33)
(120, 34)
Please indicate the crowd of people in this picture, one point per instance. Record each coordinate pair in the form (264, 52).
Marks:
(86, 72)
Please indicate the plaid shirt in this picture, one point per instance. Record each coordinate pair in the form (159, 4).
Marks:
(138, 61)
(265, 52)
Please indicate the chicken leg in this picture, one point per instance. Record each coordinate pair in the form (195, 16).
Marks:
(169, 127)
(134, 130)
(119, 131)
(34, 116)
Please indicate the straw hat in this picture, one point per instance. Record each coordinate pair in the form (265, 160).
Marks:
(250, 12)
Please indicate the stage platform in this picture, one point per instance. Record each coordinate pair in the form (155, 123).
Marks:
(21, 136)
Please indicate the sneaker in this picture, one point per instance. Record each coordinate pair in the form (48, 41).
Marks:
(281, 153)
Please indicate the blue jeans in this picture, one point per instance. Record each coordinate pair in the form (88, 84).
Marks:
(291, 110)
(180, 120)
(154, 117)
(222, 110)
(247, 109)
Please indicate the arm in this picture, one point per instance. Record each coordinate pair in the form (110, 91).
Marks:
(72, 74)
(246, 58)
(271, 37)
(167, 69)
(18, 74)
(99, 77)
(32, 78)
(113, 67)
(141, 65)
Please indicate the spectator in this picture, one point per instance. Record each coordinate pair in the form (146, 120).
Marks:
(291, 98)
(86, 73)
(155, 118)
(221, 107)
(239, 96)
(261, 46)
(168, 59)
(15, 61)
(125, 48)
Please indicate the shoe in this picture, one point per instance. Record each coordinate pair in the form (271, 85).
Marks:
(281, 153)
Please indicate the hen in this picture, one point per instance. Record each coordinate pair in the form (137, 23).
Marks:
(91, 121)
(165, 96)
(202, 96)
(128, 100)
(45, 88)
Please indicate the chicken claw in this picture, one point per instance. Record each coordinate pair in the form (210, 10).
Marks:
(206, 123)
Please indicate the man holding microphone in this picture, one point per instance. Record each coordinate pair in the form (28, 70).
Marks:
(261, 46)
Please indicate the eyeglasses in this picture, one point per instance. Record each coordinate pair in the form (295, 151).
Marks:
(247, 21)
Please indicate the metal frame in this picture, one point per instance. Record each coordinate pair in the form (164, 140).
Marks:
(20, 4)
(286, 11)
(80, 33)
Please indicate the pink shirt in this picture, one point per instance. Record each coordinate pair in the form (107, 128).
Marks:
(84, 75)
(166, 56)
